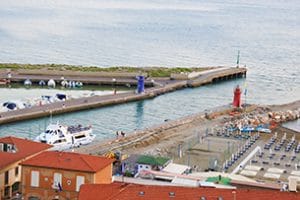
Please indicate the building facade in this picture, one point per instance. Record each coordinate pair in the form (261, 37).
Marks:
(13, 151)
(59, 175)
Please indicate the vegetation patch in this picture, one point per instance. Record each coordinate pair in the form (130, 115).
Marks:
(219, 180)
(151, 71)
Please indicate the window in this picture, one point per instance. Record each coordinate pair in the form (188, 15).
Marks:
(5, 147)
(60, 141)
(33, 198)
(79, 136)
(79, 182)
(6, 177)
(6, 191)
(15, 187)
(35, 179)
(17, 171)
(57, 181)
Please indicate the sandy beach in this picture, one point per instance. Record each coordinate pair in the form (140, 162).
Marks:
(165, 139)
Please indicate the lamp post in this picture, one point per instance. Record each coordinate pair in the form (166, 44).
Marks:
(238, 60)
(113, 85)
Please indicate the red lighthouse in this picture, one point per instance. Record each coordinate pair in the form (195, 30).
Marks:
(237, 97)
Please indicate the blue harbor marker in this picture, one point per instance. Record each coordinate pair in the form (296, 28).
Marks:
(141, 84)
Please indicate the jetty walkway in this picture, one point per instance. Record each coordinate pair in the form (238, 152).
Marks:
(96, 101)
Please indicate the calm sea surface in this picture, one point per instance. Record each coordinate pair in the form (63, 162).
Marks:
(169, 33)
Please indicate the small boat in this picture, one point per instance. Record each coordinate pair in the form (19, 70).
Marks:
(71, 84)
(51, 83)
(27, 82)
(42, 83)
(66, 137)
(10, 105)
(48, 99)
(247, 129)
(61, 97)
(14, 105)
(78, 84)
(64, 83)
(263, 130)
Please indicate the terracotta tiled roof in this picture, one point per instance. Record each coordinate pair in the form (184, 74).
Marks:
(118, 191)
(69, 161)
(24, 148)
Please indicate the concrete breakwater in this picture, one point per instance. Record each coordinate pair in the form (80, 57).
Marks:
(83, 104)
(195, 79)
(211, 76)
(162, 86)
(88, 78)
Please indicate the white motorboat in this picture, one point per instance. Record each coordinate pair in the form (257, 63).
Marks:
(27, 82)
(51, 83)
(66, 137)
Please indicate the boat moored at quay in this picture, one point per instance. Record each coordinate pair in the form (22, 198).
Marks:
(64, 137)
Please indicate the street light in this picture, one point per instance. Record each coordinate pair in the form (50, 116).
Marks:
(113, 85)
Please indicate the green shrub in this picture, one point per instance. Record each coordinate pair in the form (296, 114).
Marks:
(152, 71)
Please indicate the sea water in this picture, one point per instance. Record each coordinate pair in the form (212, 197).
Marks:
(170, 33)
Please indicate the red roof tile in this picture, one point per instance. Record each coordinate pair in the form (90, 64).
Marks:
(24, 148)
(118, 191)
(69, 161)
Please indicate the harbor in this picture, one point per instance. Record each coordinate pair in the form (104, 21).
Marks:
(110, 100)
(161, 87)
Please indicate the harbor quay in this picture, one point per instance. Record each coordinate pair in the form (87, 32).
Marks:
(87, 78)
(160, 86)
(125, 78)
